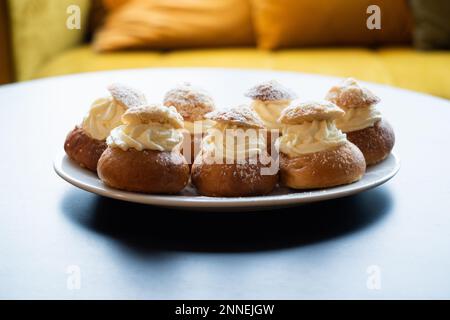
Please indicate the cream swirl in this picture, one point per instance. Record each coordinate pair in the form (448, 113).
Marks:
(153, 136)
(310, 137)
(225, 141)
(269, 111)
(358, 118)
(105, 114)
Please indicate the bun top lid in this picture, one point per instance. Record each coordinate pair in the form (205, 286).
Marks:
(240, 116)
(127, 96)
(153, 113)
(191, 102)
(300, 112)
(270, 91)
(350, 94)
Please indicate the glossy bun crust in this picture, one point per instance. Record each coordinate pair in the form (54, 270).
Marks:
(338, 166)
(144, 171)
(83, 149)
(231, 180)
(375, 142)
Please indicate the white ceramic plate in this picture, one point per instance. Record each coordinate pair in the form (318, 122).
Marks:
(189, 199)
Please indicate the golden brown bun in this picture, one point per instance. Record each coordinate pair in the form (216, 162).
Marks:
(299, 112)
(350, 94)
(375, 142)
(83, 149)
(154, 113)
(145, 171)
(337, 166)
(241, 116)
(126, 96)
(231, 180)
(191, 102)
(270, 91)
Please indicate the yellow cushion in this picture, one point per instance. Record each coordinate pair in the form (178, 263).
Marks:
(293, 23)
(39, 31)
(360, 63)
(407, 68)
(426, 71)
(84, 59)
(175, 24)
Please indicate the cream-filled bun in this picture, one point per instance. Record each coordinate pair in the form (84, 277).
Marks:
(269, 100)
(106, 113)
(233, 161)
(362, 122)
(143, 154)
(314, 153)
(86, 142)
(193, 104)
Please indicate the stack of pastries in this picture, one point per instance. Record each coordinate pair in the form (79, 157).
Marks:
(246, 150)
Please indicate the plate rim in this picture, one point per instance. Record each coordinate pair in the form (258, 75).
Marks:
(178, 201)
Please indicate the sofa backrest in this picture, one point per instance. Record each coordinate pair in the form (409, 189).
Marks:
(6, 70)
(39, 31)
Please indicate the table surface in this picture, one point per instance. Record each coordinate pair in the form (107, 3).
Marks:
(57, 241)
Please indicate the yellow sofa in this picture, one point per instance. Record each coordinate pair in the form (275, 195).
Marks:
(64, 52)
(403, 67)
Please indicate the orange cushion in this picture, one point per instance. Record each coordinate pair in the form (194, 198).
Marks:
(290, 23)
(113, 4)
(162, 24)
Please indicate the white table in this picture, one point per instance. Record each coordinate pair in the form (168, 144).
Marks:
(399, 231)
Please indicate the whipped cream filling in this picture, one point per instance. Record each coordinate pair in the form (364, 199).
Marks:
(358, 118)
(153, 136)
(310, 137)
(270, 111)
(232, 143)
(105, 114)
(198, 127)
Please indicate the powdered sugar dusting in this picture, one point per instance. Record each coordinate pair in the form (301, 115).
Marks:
(248, 172)
(299, 112)
(270, 91)
(350, 94)
(191, 102)
(340, 158)
(153, 113)
(241, 116)
(127, 96)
